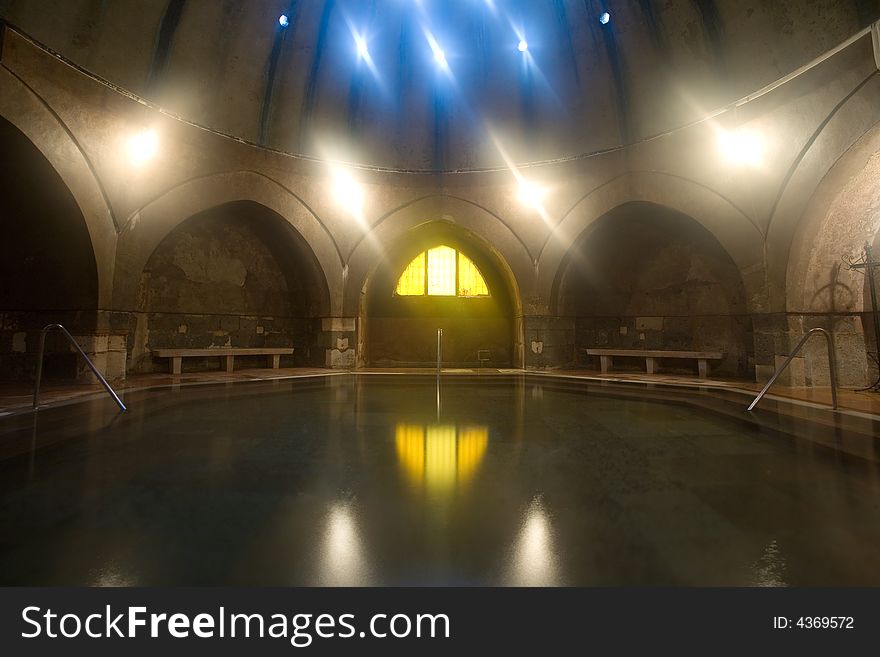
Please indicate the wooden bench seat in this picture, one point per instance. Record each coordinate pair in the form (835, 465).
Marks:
(606, 358)
(273, 354)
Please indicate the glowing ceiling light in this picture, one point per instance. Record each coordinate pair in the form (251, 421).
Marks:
(742, 147)
(348, 193)
(530, 194)
(523, 45)
(143, 147)
(439, 55)
(283, 20)
(361, 44)
(605, 18)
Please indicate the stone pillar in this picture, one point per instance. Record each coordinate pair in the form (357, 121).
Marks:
(338, 337)
(549, 342)
(772, 338)
(108, 353)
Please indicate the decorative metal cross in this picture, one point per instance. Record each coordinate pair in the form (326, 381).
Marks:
(868, 266)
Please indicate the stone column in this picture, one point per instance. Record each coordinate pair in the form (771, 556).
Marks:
(338, 337)
(108, 353)
(549, 342)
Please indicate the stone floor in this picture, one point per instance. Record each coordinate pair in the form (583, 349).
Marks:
(16, 396)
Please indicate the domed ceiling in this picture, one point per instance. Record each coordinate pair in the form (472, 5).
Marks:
(438, 85)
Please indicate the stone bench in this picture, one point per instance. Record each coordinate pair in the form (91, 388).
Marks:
(606, 358)
(273, 354)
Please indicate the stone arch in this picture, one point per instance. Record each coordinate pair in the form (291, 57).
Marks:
(849, 122)
(48, 271)
(234, 275)
(842, 215)
(149, 225)
(644, 276)
(493, 323)
(485, 227)
(740, 236)
(22, 107)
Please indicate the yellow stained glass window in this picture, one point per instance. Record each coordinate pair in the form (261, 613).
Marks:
(441, 272)
(470, 280)
(444, 272)
(412, 281)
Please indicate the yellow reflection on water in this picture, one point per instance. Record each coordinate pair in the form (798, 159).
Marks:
(440, 456)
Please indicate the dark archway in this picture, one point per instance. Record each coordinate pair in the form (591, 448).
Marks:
(47, 264)
(236, 275)
(401, 331)
(647, 277)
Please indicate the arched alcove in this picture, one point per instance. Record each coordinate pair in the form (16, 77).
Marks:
(644, 276)
(842, 216)
(235, 275)
(401, 330)
(47, 266)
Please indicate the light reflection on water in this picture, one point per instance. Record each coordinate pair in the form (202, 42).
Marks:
(533, 560)
(769, 569)
(111, 575)
(343, 557)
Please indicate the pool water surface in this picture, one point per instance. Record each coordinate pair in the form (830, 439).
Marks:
(383, 480)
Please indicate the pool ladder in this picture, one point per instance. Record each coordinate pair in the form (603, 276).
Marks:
(832, 365)
(88, 360)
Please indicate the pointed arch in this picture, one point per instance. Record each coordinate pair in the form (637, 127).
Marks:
(735, 231)
(464, 217)
(35, 119)
(146, 227)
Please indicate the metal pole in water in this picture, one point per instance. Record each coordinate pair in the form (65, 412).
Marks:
(439, 362)
(439, 349)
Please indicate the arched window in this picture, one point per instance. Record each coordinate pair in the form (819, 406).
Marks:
(442, 272)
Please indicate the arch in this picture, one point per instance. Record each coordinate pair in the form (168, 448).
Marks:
(645, 276)
(485, 227)
(490, 321)
(48, 271)
(841, 216)
(236, 274)
(849, 122)
(148, 226)
(34, 118)
(740, 237)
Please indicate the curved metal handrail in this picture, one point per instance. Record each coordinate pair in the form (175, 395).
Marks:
(88, 360)
(832, 364)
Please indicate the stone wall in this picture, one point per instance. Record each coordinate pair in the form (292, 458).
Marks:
(224, 278)
(645, 277)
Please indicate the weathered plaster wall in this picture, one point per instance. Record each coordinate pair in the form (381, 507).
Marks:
(646, 277)
(226, 277)
(843, 215)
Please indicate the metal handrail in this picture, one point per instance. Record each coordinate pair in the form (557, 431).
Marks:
(832, 365)
(88, 360)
